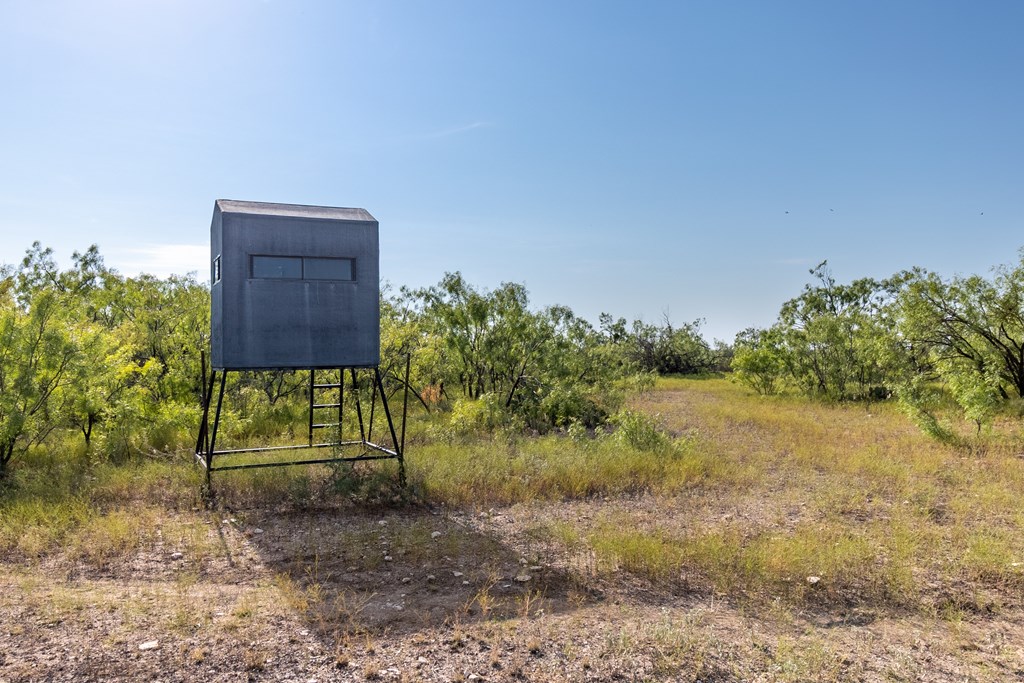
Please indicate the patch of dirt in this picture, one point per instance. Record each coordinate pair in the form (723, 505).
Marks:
(416, 594)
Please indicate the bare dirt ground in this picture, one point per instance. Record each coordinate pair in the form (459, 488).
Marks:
(342, 595)
(419, 593)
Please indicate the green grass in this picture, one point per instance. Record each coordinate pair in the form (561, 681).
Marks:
(556, 468)
(862, 565)
(850, 494)
(31, 528)
(753, 495)
(701, 519)
(93, 513)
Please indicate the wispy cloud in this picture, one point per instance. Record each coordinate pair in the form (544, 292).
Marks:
(161, 260)
(448, 132)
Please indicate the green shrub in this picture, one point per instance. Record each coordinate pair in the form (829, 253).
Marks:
(638, 430)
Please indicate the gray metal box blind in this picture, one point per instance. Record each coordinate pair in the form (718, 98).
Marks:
(293, 287)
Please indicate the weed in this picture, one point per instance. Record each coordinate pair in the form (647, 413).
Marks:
(347, 607)
(254, 660)
(484, 599)
(619, 642)
(639, 431)
(243, 613)
(185, 612)
(807, 661)
(291, 593)
(458, 637)
(528, 603)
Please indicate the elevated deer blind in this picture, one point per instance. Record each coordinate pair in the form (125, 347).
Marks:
(296, 287)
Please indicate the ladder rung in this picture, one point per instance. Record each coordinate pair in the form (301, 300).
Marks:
(326, 424)
(327, 386)
(326, 405)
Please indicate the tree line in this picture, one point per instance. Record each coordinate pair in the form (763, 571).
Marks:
(931, 343)
(115, 365)
(89, 351)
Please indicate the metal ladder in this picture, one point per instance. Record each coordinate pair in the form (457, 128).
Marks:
(316, 395)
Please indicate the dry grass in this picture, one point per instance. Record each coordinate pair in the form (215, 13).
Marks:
(763, 493)
(557, 468)
(678, 549)
(854, 496)
(857, 566)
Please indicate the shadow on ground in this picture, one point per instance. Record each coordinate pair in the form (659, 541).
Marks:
(399, 571)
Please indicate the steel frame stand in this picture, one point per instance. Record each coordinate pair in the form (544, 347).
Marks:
(206, 443)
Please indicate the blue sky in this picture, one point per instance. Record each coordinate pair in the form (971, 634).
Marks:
(640, 158)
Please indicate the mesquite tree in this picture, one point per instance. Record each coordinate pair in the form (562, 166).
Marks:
(40, 353)
(971, 330)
